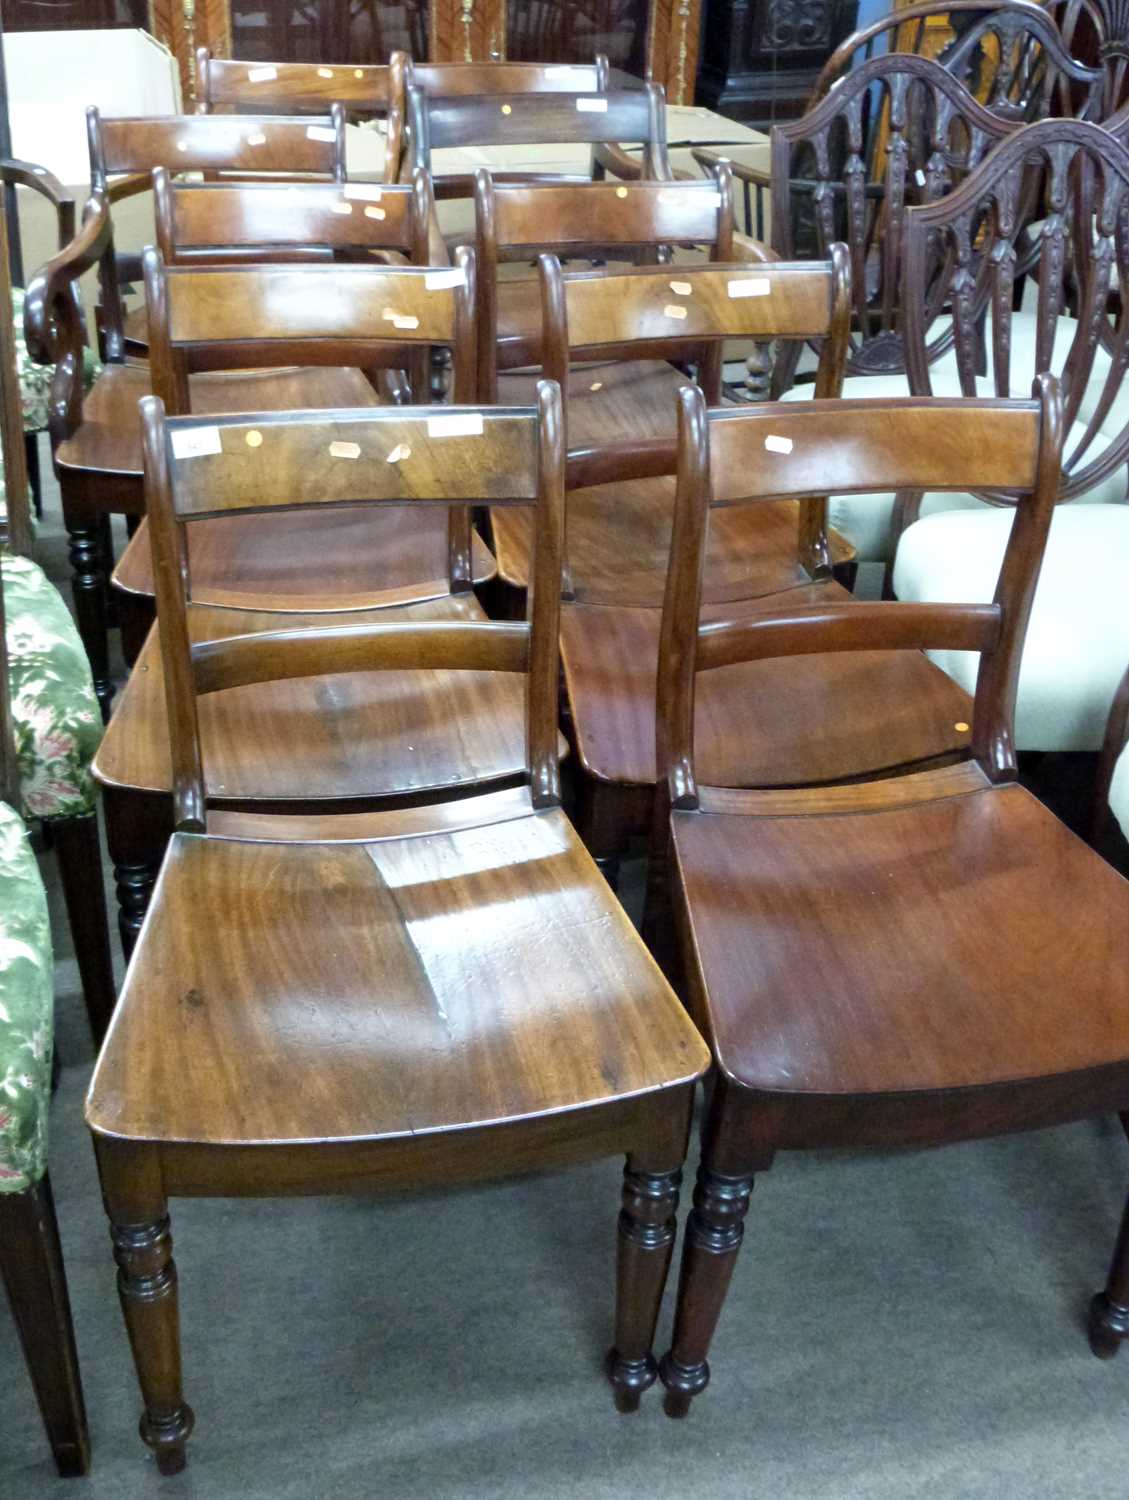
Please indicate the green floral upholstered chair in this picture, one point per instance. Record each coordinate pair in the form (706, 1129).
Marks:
(31, 1261)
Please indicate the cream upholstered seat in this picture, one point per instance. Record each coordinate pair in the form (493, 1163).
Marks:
(1119, 791)
(865, 521)
(1078, 638)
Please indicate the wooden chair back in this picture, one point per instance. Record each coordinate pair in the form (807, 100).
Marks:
(436, 456)
(686, 313)
(742, 455)
(600, 120)
(364, 90)
(962, 255)
(896, 131)
(1010, 55)
(462, 80)
(370, 317)
(228, 222)
(641, 220)
(125, 151)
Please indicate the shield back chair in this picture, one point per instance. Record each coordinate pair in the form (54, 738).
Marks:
(626, 399)
(49, 703)
(888, 709)
(369, 93)
(475, 1002)
(353, 737)
(31, 1258)
(876, 964)
(36, 379)
(215, 224)
(1078, 640)
(1009, 53)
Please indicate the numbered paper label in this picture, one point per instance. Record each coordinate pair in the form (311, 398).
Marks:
(776, 444)
(320, 133)
(262, 75)
(593, 106)
(195, 442)
(461, 424)
(750, 286)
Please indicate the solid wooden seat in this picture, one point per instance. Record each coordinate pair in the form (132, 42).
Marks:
(407, 1045)
(109, 440)
(359, 735)
(760, 724)
(414, 998)
(877, 963)
(362, 560)
(953, 979)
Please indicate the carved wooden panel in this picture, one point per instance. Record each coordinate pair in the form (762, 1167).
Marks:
(761, 58)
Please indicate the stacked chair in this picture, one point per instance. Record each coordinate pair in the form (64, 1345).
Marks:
(454, 580)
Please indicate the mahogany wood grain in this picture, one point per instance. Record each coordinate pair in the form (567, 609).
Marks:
(426, 1057)
(458, 80)
(217, 221)
(875, 964)
(136, 144)
(225, 85)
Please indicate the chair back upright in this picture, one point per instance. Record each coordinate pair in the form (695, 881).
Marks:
(962, 254)
(685, 313)
(638, 221)
(896, 131)
(391, 456)
(744, 455)
(125, 151)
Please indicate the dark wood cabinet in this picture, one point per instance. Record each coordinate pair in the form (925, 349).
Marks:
(760, 58)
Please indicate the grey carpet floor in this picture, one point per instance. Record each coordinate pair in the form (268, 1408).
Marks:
(898, 1325)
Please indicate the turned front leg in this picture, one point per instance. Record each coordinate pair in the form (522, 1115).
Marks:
(147, 1288)
(1109, 1310)
(714, 1231)
(89, 583)
(647, 1227)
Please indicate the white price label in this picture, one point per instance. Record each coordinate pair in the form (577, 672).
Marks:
(261, 75)
(320, 133)
(592, 105)
(461, 424)
(325, 72)
(258, 139)
(750, 286)
(341, 208)
(435, 281)
(681, 288)
(776, 444)
(345, 450)
(919, 177)
(363, 192)
(195, 442)
(674, 312)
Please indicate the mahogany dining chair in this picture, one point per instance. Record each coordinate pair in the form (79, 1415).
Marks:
(356, 1004)
(357, 737)
(876, 964)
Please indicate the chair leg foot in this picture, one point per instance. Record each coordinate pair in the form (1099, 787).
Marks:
(1108, 1326)
(645, 1242)
(31, 1265)
(714, 1232)
(147, 1287)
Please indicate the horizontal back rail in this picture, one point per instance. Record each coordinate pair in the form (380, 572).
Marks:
(604, 213)
(457, 80)
(857, 626)
(873, 445)
(428, 454)
(195, 216)
(776, 300)
(219, 143)
(405, 304)
(462, 645)
(521, 119)
(363, 88)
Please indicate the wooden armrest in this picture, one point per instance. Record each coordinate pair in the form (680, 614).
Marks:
(52, 298)
(128, 186)
(30, 175)
(755, 252)
(615, 159)
(708, 160)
